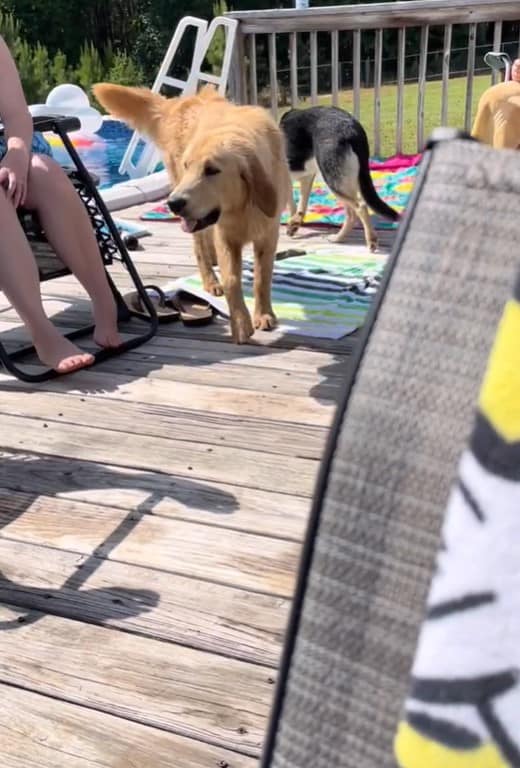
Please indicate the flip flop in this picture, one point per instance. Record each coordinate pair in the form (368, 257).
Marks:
(165, 310)
(289, 254)
(192, 309)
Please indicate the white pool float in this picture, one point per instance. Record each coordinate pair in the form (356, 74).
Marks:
(69, 100)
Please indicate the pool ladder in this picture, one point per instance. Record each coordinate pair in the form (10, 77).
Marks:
(142, 156)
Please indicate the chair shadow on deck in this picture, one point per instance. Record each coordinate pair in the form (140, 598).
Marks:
(31, 476)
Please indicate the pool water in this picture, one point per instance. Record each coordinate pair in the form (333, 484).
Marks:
(101, 152)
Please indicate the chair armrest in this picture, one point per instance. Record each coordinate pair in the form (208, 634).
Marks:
(42, 124)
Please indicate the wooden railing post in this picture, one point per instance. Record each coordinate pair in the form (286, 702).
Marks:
(308, 24)
(237, 74)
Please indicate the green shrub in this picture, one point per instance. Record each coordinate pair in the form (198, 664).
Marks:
(42, 78)
(124, 71)
(9, 28)
(59, 69)
(90, 69)
(40, 73)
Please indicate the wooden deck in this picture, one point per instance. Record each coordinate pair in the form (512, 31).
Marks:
(151, 518)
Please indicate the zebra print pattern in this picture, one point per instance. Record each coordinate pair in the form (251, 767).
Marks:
(464, 703)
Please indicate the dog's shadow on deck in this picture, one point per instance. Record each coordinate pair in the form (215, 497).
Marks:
(24, 477)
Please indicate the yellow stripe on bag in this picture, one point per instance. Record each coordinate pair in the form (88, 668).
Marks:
(413, 750)
(500, 393)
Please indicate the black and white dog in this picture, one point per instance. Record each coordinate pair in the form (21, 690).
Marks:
(331, 141)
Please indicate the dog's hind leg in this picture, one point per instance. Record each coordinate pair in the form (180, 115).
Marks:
(206, 256)
(297, 218)
(356, 209)
(370, 234)
(348, 224)
(264, 249)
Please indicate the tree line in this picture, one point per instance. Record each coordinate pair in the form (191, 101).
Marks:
(124, 41)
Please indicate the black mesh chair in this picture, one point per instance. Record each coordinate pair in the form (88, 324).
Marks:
(111, 248)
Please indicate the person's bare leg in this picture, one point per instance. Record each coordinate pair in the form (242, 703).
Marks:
(20, 282)
(70, 232)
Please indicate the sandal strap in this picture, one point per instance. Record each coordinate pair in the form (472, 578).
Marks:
(159, 292)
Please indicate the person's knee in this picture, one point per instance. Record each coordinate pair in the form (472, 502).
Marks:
(46, 178)
(44, 169)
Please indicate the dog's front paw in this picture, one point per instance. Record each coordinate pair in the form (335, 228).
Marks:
(294, 224)
(265, 321)
(214, 288)
(372, 245)
(241, 327)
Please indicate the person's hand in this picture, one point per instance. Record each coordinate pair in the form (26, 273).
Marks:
(14, 170)
(515, 71)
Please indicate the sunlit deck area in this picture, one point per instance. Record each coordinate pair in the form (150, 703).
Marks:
(152, 512)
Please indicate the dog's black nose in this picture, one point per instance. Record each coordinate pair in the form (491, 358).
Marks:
(177, 203)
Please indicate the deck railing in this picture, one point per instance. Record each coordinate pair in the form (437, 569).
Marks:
(267, 38)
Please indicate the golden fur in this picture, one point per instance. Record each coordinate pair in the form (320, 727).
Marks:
(226, 160)
(498, 116)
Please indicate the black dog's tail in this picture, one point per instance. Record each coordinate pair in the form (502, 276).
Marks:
(370, 195)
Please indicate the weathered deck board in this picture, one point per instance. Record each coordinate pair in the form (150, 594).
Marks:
(151, 517)
(32, 476)
(200, 396)
(145, 601)
(41, 732)
(246, 560)
(213, 698)
(201, 351)
(176, 424)
(198, 460)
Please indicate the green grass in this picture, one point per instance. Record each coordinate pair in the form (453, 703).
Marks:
(432, 109)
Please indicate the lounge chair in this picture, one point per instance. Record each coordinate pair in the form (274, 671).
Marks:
(111, 248)
(406, 415)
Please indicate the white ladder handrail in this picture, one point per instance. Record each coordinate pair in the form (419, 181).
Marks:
(150, 156)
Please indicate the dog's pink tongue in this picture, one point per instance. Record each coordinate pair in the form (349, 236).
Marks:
(188, 225)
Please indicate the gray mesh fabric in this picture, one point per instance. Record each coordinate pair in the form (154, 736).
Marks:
(405, 426)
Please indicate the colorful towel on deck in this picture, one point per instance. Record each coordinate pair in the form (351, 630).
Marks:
(393, 182)
(131, 228)
(324, 294)
(464, 706)
(393, 186)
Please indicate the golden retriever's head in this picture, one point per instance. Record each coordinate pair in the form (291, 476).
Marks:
(215, 171)
(220, 176)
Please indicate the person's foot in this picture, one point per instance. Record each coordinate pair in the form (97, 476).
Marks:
(106, 333)
(60, 354)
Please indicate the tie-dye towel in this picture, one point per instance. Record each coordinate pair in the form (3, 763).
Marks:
(394, 185)
(325, 294)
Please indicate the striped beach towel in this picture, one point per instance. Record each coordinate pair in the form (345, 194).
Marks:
(325, 294)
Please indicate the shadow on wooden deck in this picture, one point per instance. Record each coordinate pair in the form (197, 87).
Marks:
(62, 475)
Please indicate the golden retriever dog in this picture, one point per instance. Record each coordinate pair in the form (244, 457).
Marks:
(497, 121)
(230, 183)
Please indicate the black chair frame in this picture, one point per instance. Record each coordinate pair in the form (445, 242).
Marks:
(111, 248)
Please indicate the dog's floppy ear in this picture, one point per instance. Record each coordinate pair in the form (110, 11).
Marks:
(261, 189)
(138, 107)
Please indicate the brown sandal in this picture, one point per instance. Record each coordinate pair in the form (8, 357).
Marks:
(165, 310)
(192, 309)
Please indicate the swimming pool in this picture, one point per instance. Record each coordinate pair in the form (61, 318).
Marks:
(101, 152)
